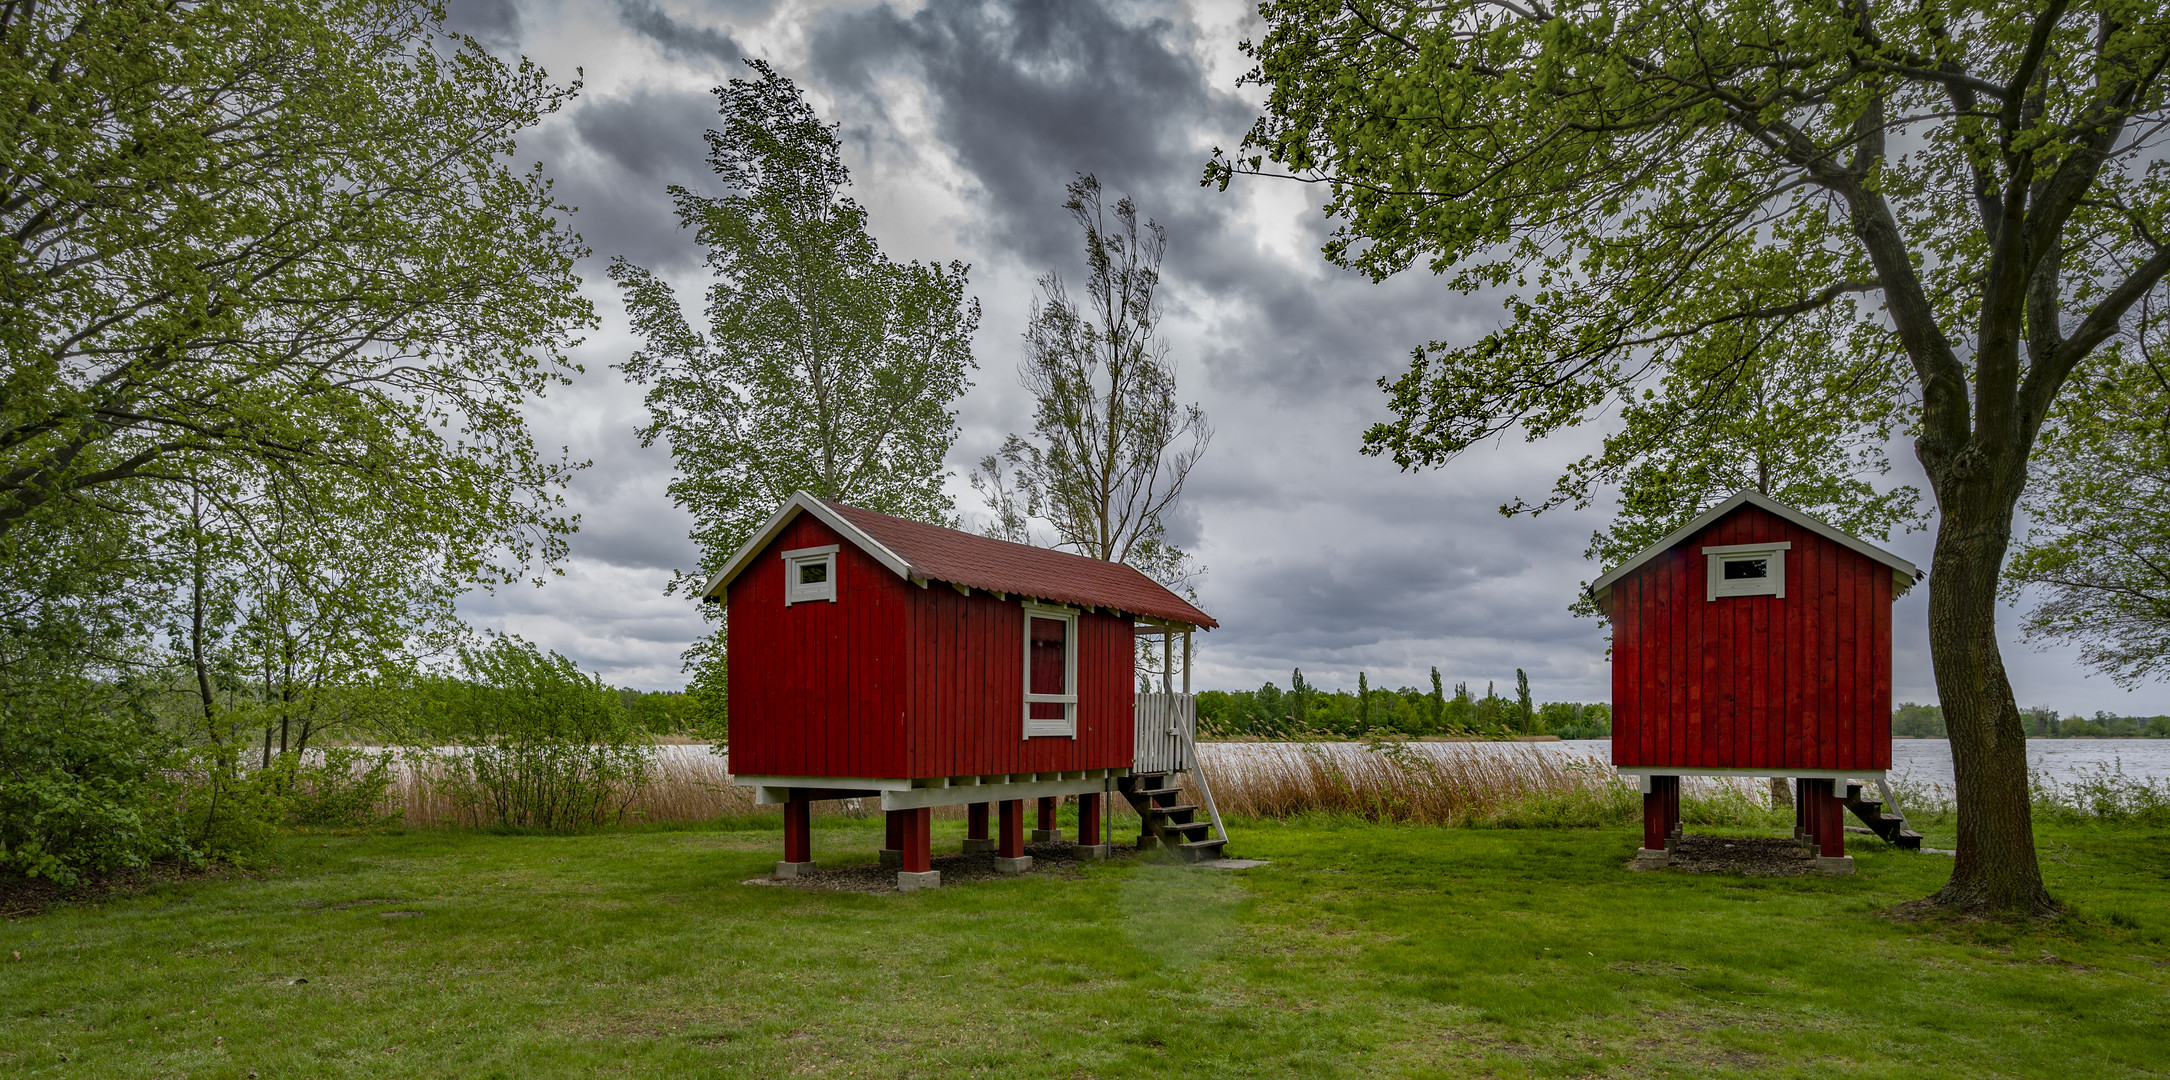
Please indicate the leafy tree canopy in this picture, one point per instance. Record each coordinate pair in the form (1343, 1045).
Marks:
(1970, 194)
(826, 367)
(276, 235)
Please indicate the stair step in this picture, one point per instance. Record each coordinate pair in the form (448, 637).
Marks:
(1201, 850)
(1185, 826)
(1176, 809)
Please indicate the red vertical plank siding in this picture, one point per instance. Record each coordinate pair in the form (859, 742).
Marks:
(1880, 668)
(1849, 640)
(1800, 681)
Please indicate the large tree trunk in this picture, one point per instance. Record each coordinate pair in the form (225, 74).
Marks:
(1996, 869)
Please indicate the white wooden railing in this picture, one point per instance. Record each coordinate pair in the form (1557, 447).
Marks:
(1166, 727)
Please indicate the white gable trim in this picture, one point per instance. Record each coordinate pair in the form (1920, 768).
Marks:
(1903, 573)
(802, 503)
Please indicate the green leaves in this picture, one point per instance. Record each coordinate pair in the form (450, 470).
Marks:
(1110, 447)
(825, 366)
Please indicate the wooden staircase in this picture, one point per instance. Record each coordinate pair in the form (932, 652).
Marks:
(1892, 827)
(1170, 820)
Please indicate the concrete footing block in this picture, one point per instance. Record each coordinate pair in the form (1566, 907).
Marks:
(1017, 865)
(979, 843)
(794, 869)
(1843, 864)
(1047, 836)
(1651, 859)
(1093, 851)
(909, 881)
(892, 858)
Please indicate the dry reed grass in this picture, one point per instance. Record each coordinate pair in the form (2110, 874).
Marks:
(1444, 784)
(1447, 784)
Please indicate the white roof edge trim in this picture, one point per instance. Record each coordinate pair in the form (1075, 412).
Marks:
(801, 502)
(1905, 572)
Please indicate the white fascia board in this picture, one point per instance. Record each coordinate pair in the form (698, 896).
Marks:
(803, 503)
(1647, 771)
(999, 791)
(1903, 573)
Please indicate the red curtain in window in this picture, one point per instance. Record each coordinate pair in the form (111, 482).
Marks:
(1049, 649)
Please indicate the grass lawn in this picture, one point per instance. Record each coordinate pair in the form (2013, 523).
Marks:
(1360, 951)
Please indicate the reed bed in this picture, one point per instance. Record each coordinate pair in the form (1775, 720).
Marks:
(1440, 784)
(1451, 784)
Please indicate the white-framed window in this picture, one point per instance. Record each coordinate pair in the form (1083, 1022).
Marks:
(1050, 671)
(810, 574)
(1747, 569)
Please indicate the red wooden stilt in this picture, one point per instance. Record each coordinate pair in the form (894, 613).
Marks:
(1672, 808)
(1654, 823)
(1047, 814)
(798, 828)
(1012, 843)
(1088, 818)
(895, 841)
(918, 825)
(1800, 808)
(1831, 822)
(975, 821)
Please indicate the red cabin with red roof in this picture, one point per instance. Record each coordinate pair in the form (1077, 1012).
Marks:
(876, 657)
(1754, 641)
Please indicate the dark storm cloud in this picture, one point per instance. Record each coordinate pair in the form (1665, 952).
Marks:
(1314, 551)
(495, 23)
(616, 159)
(1029, 94)
(682, 40)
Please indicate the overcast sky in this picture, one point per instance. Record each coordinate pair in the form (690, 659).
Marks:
(962, 120)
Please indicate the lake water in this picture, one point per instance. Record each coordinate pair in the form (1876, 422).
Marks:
(1918, 761)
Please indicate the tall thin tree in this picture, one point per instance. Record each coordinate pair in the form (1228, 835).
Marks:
(826, 367)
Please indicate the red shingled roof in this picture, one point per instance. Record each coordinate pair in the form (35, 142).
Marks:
(940, 554)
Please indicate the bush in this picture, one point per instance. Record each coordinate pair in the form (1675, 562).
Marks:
(82, 786)
(341, 788)
(545, 745)
(232, 812)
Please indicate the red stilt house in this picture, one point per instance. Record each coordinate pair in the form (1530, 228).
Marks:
(873, 657)
(1756, 641)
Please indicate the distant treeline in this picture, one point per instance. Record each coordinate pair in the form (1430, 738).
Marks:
(1927, 722)
(1306, 711)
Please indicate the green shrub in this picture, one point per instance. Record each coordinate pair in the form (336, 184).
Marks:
(545, 746)
(339, 788)
(230, 811)
(82, 782)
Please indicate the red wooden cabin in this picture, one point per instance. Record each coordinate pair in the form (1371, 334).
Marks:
(876, 657)
(1755, 641)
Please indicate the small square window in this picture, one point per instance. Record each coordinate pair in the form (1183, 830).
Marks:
(809, 575)
(1747, 570)
(1744, 569)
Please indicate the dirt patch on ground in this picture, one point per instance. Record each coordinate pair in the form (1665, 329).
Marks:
(21, 898)
(1750, 856)
(1059, 859)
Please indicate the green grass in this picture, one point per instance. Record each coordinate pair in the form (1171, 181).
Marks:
(1362, 950)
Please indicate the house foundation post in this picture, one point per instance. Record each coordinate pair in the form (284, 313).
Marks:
(1831, 857)
(975, 829)
(1656, 825)
(1088, 826)
(798, 836)
(1672, 812)
(1010, 857)
(917, 826)
(1046, 830)
(893, 843)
